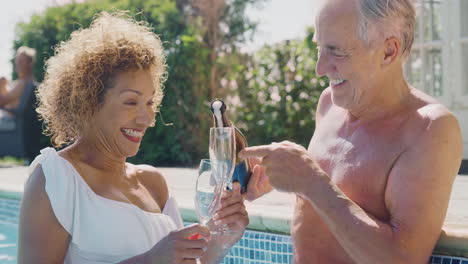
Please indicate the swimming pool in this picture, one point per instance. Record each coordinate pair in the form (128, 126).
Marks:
(9, 210)
(254, 247)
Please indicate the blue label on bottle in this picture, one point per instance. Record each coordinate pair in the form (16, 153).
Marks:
(241, 175)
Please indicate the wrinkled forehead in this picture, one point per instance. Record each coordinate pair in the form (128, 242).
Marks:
(336, 17)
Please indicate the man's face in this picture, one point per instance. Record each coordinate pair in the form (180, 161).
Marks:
(352, 67)
(22, 63)
(126, 113)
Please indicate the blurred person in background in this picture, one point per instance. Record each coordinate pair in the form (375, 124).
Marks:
(85, 204)
(24, 64)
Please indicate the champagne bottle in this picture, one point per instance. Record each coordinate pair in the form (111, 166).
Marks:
(243, 169)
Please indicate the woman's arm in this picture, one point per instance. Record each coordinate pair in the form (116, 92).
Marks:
(42, 239)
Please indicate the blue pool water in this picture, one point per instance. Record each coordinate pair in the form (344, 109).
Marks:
(254, 247)
(9, 210)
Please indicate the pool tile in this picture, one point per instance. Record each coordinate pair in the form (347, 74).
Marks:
(447, 261)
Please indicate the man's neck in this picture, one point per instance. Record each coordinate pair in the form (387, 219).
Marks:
(394, 95)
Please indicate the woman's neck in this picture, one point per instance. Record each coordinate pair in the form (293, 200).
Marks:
(91, 154)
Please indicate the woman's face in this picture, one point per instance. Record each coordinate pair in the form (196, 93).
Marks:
(126, 113)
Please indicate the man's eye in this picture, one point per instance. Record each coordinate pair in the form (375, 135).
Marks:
(130, 103)
(338, 54)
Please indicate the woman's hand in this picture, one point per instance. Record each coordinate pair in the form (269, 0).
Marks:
(177, 248)
(232, 212)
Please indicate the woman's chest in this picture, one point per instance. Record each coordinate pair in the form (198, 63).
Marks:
(110, 231)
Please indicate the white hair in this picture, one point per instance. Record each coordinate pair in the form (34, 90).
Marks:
(30, 53)
(387, 18)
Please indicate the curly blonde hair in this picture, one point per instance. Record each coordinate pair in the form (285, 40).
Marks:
(82, 70)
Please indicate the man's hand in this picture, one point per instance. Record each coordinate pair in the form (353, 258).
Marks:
(259, 184)
(288, 166)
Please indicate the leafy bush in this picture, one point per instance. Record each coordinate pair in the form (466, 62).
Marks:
(273, 93)
(277, 92)
(186, 99)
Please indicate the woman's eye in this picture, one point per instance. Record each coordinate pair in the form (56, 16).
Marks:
(130, 103)
(150, 103)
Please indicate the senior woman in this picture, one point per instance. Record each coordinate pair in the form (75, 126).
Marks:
(85, 204)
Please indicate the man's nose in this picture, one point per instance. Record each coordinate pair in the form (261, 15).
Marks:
(323, 64)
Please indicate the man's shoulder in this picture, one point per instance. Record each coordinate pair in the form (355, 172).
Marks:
(440, 121)
(326, 96)
(325, 102)
(430, 110)
(434, 120)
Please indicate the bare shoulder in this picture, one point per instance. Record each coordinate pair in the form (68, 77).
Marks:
(153, 180)
(435, 115)
(432, 142)
(324, 103)
(427, 116)
(36, 181)
(441, 128)
(424, 171)
(41, 239)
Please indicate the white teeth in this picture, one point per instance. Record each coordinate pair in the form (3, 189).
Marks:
(132, 132)
(336, 81)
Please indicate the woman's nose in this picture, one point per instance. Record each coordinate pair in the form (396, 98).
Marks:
(145, 117)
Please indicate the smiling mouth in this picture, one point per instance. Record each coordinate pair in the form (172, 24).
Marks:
(336, 82)
(132, 134)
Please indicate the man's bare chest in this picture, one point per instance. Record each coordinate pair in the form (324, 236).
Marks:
(358, 165)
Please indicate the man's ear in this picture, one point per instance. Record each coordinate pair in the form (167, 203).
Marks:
(391, 50)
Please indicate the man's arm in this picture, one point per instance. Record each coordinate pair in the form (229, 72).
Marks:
(14, 94)
(259, 183)
(417, 195)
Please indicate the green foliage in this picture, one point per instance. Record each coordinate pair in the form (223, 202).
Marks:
(278, 92)
(9, 161)
(272, 94)
(186, 100)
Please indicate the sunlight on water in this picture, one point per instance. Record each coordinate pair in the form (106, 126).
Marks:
(8, 230)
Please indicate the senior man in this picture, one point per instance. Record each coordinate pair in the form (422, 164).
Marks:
(374, 184)
(24, 62)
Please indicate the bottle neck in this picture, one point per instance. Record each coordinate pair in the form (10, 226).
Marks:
(220, 119)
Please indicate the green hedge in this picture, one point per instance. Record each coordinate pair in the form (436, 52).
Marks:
(273, 93)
